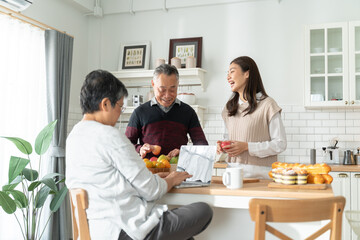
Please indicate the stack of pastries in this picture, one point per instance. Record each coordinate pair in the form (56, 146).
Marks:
(296, 173)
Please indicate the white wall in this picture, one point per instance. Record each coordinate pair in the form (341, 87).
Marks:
(269, 32)
(63, 16)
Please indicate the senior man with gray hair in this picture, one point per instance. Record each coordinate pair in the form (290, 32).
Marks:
(164, 120)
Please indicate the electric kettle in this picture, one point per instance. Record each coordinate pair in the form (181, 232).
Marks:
(349, 158)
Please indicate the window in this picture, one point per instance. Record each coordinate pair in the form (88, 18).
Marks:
(22, 97)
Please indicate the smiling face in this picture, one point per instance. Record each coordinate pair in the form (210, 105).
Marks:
(165, 89)
(237, 78)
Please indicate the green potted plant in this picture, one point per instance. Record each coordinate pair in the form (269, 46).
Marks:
(33, 192)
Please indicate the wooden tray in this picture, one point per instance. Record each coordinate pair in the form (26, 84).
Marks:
(218, 179)
(305, 186)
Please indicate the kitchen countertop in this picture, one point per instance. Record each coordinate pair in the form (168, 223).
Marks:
(258, 189)
(334, 168)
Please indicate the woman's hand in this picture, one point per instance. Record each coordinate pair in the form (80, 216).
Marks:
(235, 148)
(175, 178)
(218, 147)
(145, 149)
(174, 153)
(163, 174)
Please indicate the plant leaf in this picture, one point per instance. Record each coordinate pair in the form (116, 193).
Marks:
(19, 197)
(17, 164)
(7, 203)
(27, 173)
(23, 145)
(13, 184)
(58, 199)
(51, 175)
(44, 138)
(50, 183)
(34, 185)
(41, 196)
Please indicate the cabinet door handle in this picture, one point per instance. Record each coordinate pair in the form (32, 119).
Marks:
(357, 175)
(343, 175)
(352, 102)
(346, 102)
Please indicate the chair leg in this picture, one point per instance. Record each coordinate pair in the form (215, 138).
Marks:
(337, 221)
(260, 222)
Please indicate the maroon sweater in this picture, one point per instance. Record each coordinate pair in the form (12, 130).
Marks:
(149, 124)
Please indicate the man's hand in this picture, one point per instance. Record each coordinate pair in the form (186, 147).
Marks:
(145, 149)
(175, 178)
(174, 153)
(235, 148)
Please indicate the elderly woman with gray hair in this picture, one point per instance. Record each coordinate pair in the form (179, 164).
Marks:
(122, 192)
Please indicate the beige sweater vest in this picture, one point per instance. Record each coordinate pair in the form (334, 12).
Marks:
(251, 128)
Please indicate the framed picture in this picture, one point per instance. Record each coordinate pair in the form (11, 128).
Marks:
(185, 47)
(134, 56)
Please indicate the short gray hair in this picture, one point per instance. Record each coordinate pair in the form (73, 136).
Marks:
(166, 69)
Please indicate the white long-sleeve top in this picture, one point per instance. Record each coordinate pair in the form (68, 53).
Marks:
(278, 141)
(121, 191)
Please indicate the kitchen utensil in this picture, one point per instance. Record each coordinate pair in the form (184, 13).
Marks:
(137, 100)
(357, 157)
(348, 158)
(312, 156)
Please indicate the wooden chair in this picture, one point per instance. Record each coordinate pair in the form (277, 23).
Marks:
(303, 210)
(79, 203)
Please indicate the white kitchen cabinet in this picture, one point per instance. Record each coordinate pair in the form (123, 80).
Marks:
(354, 61)
(346, 184)
(355, 195)
(332, 65)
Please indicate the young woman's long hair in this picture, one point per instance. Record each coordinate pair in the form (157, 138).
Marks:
(254, 85)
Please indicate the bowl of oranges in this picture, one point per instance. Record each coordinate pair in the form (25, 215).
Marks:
(158, 164)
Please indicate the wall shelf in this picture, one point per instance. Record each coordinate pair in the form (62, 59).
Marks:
(142, 78)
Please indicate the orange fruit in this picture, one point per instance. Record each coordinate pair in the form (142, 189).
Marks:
(167, 164)
(149, 164)
(146, 159)
(160, 165)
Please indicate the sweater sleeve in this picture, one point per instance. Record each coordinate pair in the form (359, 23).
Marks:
(195, 131)
(133, 130)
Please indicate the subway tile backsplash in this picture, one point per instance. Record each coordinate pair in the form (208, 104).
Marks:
(304, 128)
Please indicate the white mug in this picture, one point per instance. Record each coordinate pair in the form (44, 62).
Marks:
(233, 177)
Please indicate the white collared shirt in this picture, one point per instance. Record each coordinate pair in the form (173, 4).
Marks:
(276, 145)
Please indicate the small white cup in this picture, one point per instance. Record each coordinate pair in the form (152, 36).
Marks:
(233, 177)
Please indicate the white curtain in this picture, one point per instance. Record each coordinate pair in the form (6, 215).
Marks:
(22, 98)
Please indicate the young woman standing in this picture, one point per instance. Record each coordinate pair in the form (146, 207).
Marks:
(252, 120)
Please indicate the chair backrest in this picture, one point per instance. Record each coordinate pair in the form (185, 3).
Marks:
(79, 203)
(303, 210)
